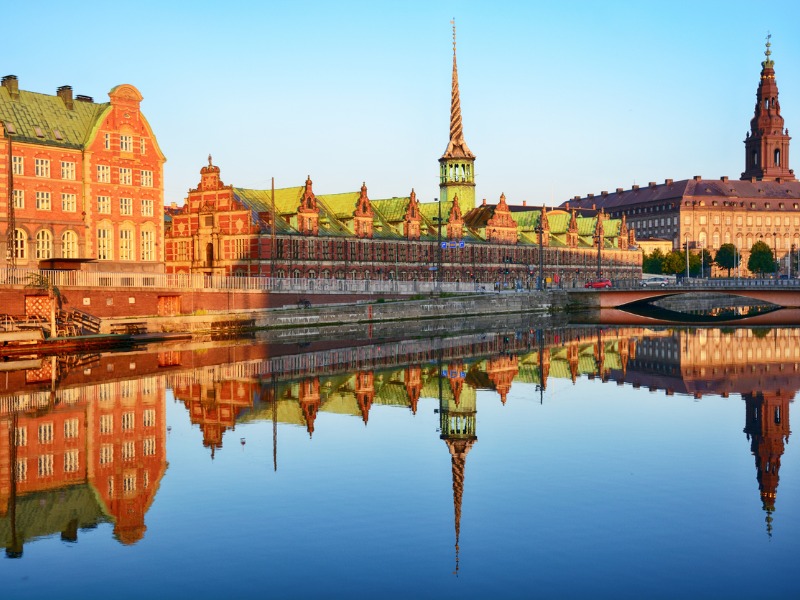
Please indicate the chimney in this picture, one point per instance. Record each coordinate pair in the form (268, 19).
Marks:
(484, 202)
(83, 98)
(697, 178)
(11, 83)
(590, 195)
(668, 181)
(65, 93)
(635, 187)
(604, 193)
(619, 190)
(724, 178)
(524, 203)
(651, 183)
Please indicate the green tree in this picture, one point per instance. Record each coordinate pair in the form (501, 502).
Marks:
(654, 262)
(675, 263)
(761, 259)
(727, 257)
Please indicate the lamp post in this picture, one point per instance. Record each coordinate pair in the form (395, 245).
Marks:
(598, 238)
(438, 243)
(775, 267)
(686, 246)
(540, 230)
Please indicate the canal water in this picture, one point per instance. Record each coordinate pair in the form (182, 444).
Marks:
(571, 462)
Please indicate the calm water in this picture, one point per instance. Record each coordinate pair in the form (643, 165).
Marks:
(567, 463)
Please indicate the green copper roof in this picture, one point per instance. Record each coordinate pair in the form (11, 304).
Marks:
(51, 116)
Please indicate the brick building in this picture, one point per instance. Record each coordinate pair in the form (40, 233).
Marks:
(80, 180)
(763, 205)
(227, 230)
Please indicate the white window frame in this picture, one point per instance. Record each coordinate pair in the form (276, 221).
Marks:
(125, 176)
(147, 178)
(43, 200)
(44, 244)
(19, 199)
(147, 208)
(103, 174)
(104, 205)
(126, 206)
(105, 243)
(147, 246)
(68, 170)
(18, 165)
(69, 202)
(41, 167)
(69, 244)
(126, 244)
(126, 143)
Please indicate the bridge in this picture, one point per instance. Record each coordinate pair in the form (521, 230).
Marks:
(784, 293)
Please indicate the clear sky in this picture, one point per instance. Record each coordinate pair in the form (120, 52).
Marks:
(558, 98)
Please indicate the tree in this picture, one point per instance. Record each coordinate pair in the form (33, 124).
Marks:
(761, 259)
(727, 257)
(653, 263)
(675, 263)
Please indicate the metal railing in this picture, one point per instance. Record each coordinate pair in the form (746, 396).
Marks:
(183, 281)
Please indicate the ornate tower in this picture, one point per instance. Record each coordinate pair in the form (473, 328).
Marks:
(457, 164)
(767, 142)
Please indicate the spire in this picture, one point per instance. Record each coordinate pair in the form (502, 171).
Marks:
(457, 147)
(767, 142)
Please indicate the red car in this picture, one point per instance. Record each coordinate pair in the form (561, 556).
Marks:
(599, 283)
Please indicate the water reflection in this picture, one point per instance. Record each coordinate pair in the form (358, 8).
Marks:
(84, 438)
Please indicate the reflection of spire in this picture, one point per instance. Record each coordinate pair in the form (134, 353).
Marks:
(458, 453)
(457, 424)
(767, 428)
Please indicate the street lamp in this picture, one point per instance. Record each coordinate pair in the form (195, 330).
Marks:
(598, 238)
(686, 246)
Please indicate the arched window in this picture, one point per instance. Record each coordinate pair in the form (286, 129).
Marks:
(69, 244)
(777, 155)
(296, 274)
(126, 243)
(44, 244)
(20, 244)
(755, 158)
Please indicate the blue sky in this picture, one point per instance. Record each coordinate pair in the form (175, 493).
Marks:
(558, 99)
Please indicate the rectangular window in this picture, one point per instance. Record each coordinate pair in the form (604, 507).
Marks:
(127, 421)
(142, 146)
(71, 461)
(749, 220)
(22, 469)
(147, 208)
(21, 436)
(18, 165)
(106, 424)
(687, 220)
(125, 176)
(126, 143)
(69, 202)
(42, 167)
(19, 198)
(182, 250)
(68, 170)
(126, 206)
(45, 465)
(149, 418)
(45, 433)
(106, 454)
(104, 205)
(103, 174)
(716, 219)
(71, 428)
(768, 221)
(758, 221)
(125, 244)
(104, 244)
(147, 178)
(128, 450)
(149, 446)
(148, 246)
(240, 248)
(107, 141)
(43, 200)
(702, 219)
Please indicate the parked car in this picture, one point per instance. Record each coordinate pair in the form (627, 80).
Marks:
(599, 283)
(651, 281)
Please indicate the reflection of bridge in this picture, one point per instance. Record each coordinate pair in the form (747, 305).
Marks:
(783, 293)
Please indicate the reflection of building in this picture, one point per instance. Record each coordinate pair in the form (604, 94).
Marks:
(81, 456)
(295, 232)
(764, 205)
(84, 179)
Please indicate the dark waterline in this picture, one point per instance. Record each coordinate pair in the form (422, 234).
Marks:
(561, 463)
